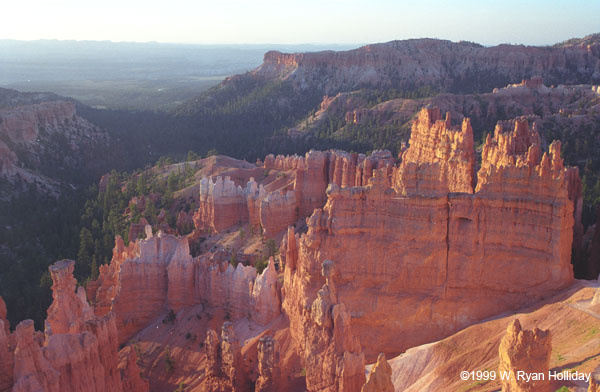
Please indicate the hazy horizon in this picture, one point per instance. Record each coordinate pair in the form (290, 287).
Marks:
(270, 22)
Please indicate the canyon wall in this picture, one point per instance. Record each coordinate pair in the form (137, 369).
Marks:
(416, 264)
(22, 124)
(433, 62)
(393, 256)
(29, 134)
(398, 255)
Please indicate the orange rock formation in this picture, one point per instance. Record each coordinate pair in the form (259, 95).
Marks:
(268, 378)
(527, 351)
(425, 255)
(276, 203)
(440, 158)
(77, 352)
(393, 256)
(155, 275)
(331, 353)
(570, 315)
(380, 377)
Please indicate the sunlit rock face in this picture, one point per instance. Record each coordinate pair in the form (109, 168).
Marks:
(402, 64)
(400, 252)
(292, 187)
(156, 275)
(418, 261)
(525, 351)
(78, 351)
(380, 377)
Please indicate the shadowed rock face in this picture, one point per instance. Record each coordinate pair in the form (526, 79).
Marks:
(28, 140)
(528, 351)
(6, 356)
(267, 366)
(594, 383)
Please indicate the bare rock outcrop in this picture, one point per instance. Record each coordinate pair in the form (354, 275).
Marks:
(528, 351)
(456, 246)
(223, 367)
(311, 182)
(380, 377)
(153, 276)
(222, 204)
(440, 157)
(29, 130)
(135, 286)
(213, 354)
(22, 124)
(231, 358)
(279, 200)
(331, 353)
(129, 371)
(265, 295)
(78, 350)
(401, 64)
(267, 365)
(278, 211)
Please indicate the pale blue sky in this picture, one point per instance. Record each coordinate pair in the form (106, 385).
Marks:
(309, 21)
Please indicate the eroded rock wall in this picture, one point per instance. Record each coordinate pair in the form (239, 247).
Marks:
(425, 264)
(77, 352)
(156, 275)
(440, 157)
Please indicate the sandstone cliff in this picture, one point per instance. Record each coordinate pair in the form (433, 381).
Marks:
(268, 367)
(455, 245)
(435, 367)
(440, 158)
(444, 64)
(392, 256)
(48, 137)
(331, 353)
(594, 383)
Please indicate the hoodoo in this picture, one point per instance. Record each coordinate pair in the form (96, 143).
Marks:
(377, 255)
(78, 351)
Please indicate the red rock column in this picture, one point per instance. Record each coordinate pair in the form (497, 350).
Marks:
(527, 351)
